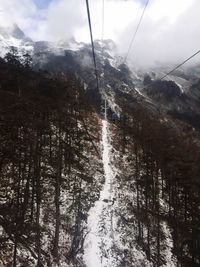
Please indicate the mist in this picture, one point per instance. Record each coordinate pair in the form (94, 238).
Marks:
(168, 32)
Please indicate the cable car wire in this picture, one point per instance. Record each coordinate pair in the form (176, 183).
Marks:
(103, 18)
(102, 44)
(177, 67)
(136, 31)
(92, 42)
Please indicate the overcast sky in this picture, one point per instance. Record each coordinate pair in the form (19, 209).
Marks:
(170, 30)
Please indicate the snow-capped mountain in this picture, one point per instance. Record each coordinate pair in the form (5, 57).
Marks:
(13, 36)
(177, 94)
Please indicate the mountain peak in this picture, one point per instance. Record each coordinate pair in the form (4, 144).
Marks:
(12, 35)
(16, 32)
(12, 30)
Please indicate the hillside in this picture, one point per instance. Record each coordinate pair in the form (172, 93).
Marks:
(96, 178)
(49, 162)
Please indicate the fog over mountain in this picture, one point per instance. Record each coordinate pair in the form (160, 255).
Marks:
(168, 32)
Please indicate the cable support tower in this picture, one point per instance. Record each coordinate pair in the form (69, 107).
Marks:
(136, 31)
(92, 43)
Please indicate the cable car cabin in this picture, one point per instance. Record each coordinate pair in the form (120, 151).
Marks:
(110, 115)
(102, 115)
(114, 117)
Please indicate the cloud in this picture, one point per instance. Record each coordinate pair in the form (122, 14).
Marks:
(168, 33)
(61, 20)
(22, 12)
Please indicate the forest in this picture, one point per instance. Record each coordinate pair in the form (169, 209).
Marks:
(49, 156)
(163, 178)
(51, 173)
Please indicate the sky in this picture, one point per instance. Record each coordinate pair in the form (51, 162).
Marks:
(169, 31)
(42, 4)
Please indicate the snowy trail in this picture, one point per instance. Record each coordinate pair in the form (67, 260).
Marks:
(99, 219)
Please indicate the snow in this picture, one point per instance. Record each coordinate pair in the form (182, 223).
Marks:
(136, 89)
(62, 45)
(147, 99)
(171, 261)
(180, 86)
(113, 63)
(136, 76)
(180, 82)
(99, 219)
(109, 242)
(6, 43)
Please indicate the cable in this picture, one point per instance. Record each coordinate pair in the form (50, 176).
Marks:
(103, 17)
(92, 43)
(102, 34)
(102, 45)
(180, 65)
(136, 31)
(171, 71)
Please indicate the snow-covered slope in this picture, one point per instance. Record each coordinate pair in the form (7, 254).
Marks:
(13, 36)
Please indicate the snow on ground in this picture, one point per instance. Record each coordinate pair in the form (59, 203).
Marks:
(171, 261)
(110, 242)
(180, 86)
(23, 47)
(139, 92)
(143, 95)
(100, 235)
